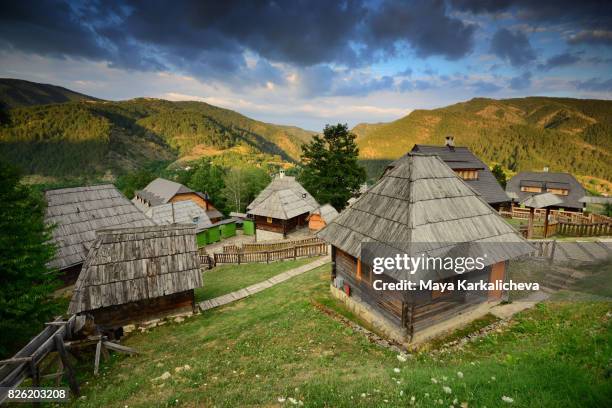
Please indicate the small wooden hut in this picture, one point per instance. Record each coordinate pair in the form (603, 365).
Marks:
(161, 191)
(419, 201)
(322, 216)
(283, 206)
(565, 186)
(136, 274)
(181, 212)
(77, 213)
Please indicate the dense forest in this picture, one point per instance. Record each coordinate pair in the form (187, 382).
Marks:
(520, 134)
(92, 137)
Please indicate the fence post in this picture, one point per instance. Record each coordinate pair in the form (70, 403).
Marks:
(294, 252)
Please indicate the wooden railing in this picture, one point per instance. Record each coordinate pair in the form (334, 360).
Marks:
(297, 251)
(584, 230)
(270, 245)
(556, 215)
(538, 230)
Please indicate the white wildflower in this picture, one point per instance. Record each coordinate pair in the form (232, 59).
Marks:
(493, 378)
(293, 401)
(402, 357)
(444, 378)
(401, 393)
(427, 394)
(464, 405)
(455, 401)
(281, 399)
(433, 380)
(397, 370)
(440, 402)
(447, 389)
(459, 374)
(507, 399)
(363, 395)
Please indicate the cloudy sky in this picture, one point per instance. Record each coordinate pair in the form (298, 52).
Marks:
(308, 63)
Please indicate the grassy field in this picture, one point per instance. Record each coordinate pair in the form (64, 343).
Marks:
(276, 344)
(228, 278)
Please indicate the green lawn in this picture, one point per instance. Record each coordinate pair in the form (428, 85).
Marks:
(228, 278)
(278, 344)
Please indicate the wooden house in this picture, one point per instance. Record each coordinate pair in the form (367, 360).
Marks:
(322, 216)
(181, 212)
(77, 213)
(161, 191)
(282, 207)
(420, 201)
(565, 186)
(470, 168)
(136, 274)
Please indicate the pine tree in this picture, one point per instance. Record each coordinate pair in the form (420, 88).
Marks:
(26, 282)
(331, 171)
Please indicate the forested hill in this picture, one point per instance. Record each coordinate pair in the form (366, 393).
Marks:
(564, 134)
(92, 137)
(15, 93)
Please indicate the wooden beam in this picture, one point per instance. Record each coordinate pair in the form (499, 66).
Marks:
(59, 344)
(119, 348)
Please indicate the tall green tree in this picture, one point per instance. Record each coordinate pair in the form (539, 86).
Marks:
(500, 175)
(208, 178)
(26, 282)
(331, 171)
(242, 184)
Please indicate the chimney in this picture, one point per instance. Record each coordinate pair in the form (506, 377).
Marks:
(281, 173)
(546, 169)
(450, 142)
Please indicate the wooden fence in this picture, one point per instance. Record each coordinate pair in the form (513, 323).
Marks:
(584, 230)
(60, 337)
(297, 251)
(560, 216)
(270, 246)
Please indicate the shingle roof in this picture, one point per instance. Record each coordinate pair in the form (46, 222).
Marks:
(283, 198)
(546, 180)
(131, 264)
(327, 212)
(459, 158)
(542, 200)
(160, 191)
(79, 212)
(422, 201)
(181, 212)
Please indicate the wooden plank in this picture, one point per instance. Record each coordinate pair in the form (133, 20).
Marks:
(97, 357)
(59, 344)
(119, 348)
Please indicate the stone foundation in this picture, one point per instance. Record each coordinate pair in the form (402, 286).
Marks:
(377, 321)
(263, 235)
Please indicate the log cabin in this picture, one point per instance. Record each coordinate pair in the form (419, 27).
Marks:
(470, 168)
(282, 207)
(76, 214)
(421, 201)
(565, 186)
(322, 216)
(136, 274)
(161, 191)
(181, 212)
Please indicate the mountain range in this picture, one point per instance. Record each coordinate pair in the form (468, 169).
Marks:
(530, 133)
(53, 131)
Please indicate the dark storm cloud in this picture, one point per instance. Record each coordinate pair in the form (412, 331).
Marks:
(513, 47)
(589, 14)
(423, 25)
(559, 60)
(594, 84)
(520, 82)
(592, 37)
(209, 38)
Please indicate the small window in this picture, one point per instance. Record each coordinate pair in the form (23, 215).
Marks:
(528, 189)
(558, 191)
(196, 219)
(269, 220)
(468, 174)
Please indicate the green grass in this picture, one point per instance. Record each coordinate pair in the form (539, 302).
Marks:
(278, 344)
(228, 278)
